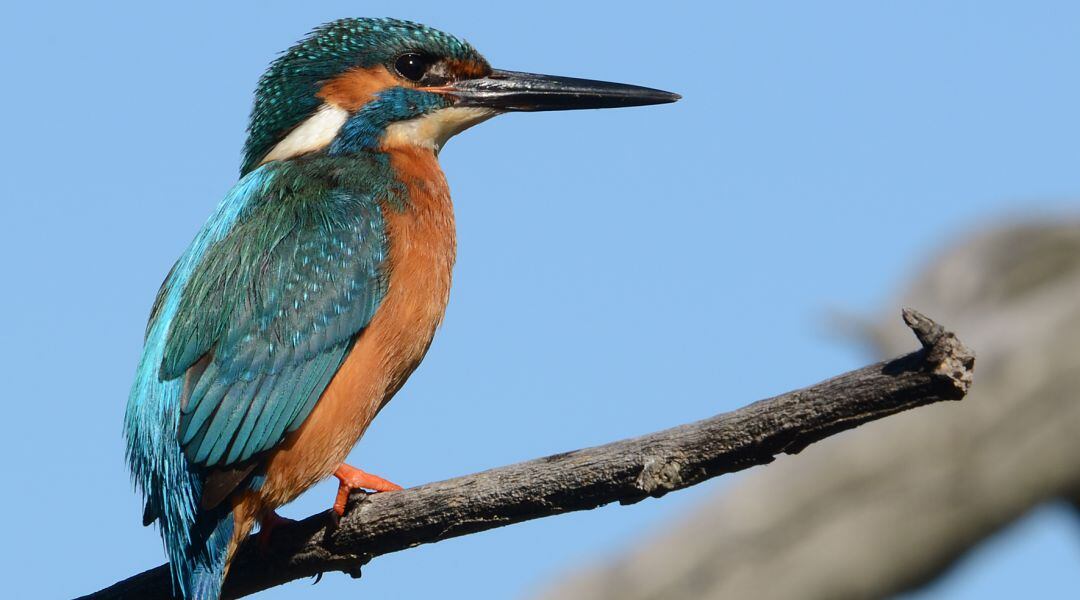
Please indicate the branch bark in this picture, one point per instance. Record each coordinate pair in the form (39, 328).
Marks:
(626, 471)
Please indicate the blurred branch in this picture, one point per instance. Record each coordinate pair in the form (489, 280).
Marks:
(626, 471)
(893, 505)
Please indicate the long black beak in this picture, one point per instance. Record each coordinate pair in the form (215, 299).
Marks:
(511, 90)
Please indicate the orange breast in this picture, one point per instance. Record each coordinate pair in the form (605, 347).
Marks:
(421, 256)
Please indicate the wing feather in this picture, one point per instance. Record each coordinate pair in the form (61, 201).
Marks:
(267, 317)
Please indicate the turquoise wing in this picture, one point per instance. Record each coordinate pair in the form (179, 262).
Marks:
(267, 317)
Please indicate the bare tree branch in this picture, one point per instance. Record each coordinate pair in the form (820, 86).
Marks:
(626, 471)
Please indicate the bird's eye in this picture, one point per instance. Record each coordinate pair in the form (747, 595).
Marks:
(412, 66)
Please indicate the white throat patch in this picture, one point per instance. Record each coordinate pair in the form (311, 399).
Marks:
(313, 134)
(434, 129)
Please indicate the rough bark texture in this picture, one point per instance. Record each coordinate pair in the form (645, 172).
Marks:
(625, 471)
(889, 507)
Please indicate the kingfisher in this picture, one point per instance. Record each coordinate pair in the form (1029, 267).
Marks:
(315, 288)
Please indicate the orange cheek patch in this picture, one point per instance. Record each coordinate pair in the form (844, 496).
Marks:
(356, 87)
(467, 69)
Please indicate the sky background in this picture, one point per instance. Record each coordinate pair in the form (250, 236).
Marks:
(619, 271)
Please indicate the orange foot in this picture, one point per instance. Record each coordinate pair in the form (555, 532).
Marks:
(267, 525)
(352, 478)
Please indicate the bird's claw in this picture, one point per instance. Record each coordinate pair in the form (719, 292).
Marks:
(267, 525)
(350, 478)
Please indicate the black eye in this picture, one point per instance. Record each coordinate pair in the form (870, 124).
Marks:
(412, 66)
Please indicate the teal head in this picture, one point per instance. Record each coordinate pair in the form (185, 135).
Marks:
(363, 84)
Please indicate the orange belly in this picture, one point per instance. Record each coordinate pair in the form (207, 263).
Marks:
(421, 256)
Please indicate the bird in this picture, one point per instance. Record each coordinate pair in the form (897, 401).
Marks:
(317, 285)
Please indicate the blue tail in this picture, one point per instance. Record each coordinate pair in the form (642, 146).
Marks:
(196, 541)
(207, 571)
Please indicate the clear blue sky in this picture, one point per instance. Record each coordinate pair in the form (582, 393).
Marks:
(619, 271)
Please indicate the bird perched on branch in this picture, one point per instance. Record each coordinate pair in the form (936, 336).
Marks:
(316, 286)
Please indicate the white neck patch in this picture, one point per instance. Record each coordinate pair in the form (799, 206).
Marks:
(434, 129)
(313, 134)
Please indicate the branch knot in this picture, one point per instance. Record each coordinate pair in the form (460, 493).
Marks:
(946, 355)
(659, 476)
